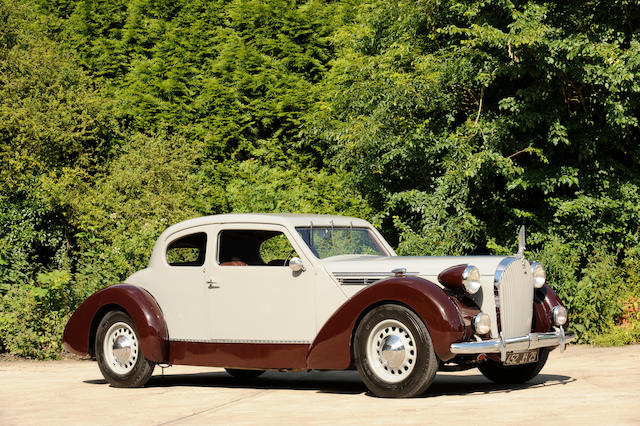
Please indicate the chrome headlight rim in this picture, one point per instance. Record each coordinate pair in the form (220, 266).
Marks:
(559, 315)
(471, 279)
(482, 323)
(539, 274)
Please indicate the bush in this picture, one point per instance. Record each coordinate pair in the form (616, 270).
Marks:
(33, 316)
(600, 294)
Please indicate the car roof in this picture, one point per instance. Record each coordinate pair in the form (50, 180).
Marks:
(287, 219)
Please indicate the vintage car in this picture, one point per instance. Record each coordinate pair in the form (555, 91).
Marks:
(293, 292)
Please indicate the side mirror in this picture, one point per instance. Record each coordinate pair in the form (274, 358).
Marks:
(296, 264)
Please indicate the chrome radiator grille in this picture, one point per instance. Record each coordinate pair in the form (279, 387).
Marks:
(515, 291)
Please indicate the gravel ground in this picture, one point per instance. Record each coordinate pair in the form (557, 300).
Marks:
(584, 385)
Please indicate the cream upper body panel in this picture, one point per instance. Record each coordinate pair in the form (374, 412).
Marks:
(423, 266)
(329, 281)
(211, 294)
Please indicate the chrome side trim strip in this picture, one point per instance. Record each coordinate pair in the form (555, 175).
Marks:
(280, 342)
(559, 337)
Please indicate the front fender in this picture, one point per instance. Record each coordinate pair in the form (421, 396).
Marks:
(544, 300)
(137, 303)
(332, 347)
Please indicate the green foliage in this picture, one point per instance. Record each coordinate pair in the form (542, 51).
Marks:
(447, 123)
(620, 335)
(52, 118)
(260, 188)
(590, 292)
(33, 316)
(599, 294)
(52, 122)
(460, 121)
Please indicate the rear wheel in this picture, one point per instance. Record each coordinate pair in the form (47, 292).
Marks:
(394, 353)
(244, 374)
(513, 374)
(118, 352)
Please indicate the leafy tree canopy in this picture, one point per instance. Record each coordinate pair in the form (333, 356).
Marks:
(447, 123)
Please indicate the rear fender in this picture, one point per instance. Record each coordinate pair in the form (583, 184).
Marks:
(137, 303)
(332, 347)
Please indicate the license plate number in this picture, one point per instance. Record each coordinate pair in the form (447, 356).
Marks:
(521, 358)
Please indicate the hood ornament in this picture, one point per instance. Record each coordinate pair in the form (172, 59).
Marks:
(521, 242)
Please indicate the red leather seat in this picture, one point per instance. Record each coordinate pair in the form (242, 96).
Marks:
(233, 263)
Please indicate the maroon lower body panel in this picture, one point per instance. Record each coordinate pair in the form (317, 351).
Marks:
(239, 355)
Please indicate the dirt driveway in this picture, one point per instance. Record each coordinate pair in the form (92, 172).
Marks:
(582, 386)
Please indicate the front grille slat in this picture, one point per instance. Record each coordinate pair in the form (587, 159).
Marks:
(515, 292)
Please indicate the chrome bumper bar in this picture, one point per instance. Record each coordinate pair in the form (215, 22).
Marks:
(503, 345)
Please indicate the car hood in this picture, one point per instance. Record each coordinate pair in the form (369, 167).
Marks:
(423, 266)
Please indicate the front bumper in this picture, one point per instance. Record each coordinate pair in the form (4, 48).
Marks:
(503, 345)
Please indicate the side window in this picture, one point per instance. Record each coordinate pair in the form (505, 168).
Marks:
(188, 251)
(277, 250)
(254, 247)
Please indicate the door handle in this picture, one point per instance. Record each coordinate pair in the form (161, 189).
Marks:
(211, 284)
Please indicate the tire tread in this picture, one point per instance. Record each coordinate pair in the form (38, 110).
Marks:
(142, 370)
(423, 373)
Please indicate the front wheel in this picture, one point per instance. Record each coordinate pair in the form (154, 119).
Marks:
(118, 352)
(513, 374)
(394, 353)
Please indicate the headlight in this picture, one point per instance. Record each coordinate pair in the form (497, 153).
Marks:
(559, 315)
(471, 279)
(461, 278)
(482, 323)
(539, 276)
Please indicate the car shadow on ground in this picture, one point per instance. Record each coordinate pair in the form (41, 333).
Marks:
(344, 382)
(448, 384)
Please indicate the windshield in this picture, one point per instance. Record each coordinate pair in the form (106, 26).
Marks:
(333, 241)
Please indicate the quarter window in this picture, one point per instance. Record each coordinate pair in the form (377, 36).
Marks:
(188, 251)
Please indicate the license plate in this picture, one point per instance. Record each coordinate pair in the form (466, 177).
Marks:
(521, 358)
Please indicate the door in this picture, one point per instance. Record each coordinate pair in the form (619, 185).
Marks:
(180, 287)
(256, 297)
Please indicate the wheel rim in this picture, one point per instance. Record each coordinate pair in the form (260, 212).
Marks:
(120, 348)
(391, 351)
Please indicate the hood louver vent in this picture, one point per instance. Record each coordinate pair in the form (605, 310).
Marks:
(357, 281)
(363, 278)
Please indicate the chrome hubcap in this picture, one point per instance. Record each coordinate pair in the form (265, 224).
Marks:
(391, 351)
(122, 349)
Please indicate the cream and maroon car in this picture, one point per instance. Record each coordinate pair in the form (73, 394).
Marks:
(256, 292)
